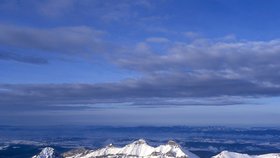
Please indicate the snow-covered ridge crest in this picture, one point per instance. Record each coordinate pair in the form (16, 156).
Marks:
(140, 149)
(227, 154)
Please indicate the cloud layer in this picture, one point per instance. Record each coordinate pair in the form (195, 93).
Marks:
(201, 68)
(172, 66)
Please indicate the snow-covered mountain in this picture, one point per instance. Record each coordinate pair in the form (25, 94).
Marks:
(136, 149)
(47, 152)
(140, 149)
(227, 154)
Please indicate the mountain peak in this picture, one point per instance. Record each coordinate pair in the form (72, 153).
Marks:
(47, 152)
(172, 143)
(140, 141)
(110, 145)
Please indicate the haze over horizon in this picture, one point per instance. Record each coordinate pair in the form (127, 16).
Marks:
(130, 63)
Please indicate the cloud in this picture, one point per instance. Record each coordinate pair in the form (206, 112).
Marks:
(170, 90)
(22, 58)
(55, 8)
(157, 40)
(251, 61)
(66, 40)
(102, 11)
(201, 69)
(192, 35)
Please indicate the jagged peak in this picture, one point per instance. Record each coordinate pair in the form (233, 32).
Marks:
(110, 146)
(140, 141)
(47, 149)
(172, 143)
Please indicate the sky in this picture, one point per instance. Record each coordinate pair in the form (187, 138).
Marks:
(146, 62)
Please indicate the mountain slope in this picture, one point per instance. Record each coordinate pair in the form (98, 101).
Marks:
(227, 154)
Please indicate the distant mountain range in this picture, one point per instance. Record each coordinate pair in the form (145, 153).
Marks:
(140, 149)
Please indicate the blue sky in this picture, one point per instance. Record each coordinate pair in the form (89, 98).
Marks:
(162, 62)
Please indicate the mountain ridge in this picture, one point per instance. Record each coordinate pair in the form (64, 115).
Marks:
(140, 149)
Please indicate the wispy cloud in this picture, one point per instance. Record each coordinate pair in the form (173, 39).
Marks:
(104, 11)
(168, 89)
(67, 40)
(22, 58)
